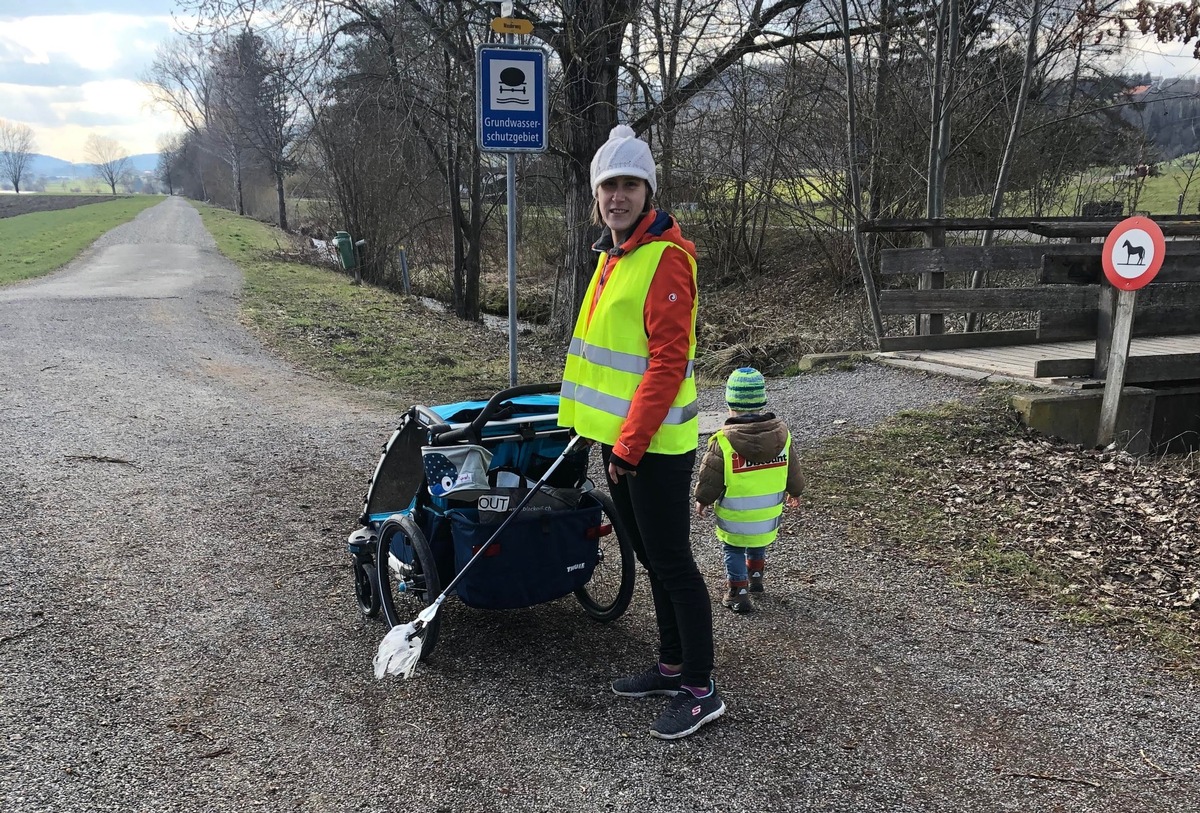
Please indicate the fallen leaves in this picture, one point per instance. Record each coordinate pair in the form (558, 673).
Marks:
(1123, 529)
(1110, 537)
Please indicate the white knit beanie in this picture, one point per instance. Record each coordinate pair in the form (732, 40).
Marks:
(623, 154)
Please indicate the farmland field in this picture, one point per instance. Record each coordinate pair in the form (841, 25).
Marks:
(40, 238)
(14, 205)
(89, 185)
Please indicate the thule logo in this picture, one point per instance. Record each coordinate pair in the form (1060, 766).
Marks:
(579, 566)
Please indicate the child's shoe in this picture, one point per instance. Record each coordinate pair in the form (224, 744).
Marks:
(737, 598)
(756, 575)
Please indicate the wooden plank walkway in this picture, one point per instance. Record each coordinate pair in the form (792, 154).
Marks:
(1018, 361)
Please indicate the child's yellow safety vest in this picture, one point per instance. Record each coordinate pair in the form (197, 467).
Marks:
(751, 510)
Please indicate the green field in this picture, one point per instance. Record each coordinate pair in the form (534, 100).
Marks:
(77, 186)
(1160, 196)
(41, 242)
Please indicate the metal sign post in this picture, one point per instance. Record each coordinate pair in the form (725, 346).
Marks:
(512, 116)
(1133, 252)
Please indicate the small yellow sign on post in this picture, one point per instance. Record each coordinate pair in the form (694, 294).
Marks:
(512, 25)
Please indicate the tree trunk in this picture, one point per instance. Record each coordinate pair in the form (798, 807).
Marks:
(947, 108)
(237, 181)
(458, 272)
(473, 239)
(590, 51)
(874, 170)
(936, 111)
(578, 260)
(1010, 144)
(860, 249)
(283, 221)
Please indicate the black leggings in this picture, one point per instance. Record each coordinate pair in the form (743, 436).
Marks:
(656, 508)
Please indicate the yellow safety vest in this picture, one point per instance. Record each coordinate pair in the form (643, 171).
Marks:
(751, 510)
(610, 353)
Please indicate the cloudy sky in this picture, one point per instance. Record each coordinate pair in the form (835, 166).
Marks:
(69, 68)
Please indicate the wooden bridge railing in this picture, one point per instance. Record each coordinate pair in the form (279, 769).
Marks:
(1069, 295)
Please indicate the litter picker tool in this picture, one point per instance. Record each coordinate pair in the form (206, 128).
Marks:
(400, 649)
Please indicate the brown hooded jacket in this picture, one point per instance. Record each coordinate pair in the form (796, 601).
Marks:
(755, 437)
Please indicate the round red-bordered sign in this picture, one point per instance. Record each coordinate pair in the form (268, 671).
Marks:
(1133, 253)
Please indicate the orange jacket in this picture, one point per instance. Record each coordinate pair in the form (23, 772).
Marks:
(667, 320)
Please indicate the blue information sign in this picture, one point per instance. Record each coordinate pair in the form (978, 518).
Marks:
(512, 112)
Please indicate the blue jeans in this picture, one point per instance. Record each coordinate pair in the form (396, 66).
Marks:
(735, 561)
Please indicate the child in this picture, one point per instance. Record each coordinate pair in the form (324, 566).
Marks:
(746, 471)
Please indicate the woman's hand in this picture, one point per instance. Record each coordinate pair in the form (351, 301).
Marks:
(701, 509)
(615, 472)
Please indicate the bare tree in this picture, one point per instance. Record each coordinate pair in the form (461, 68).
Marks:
(17, 146)
(109, 160)
(1188, 164)
(170, 154)
(948, 114)
(855, 177)
(590, 44)
(261, 89)
(183, 79)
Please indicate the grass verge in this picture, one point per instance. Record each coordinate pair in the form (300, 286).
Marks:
(362, 335)
(40, 242)
(952, 486)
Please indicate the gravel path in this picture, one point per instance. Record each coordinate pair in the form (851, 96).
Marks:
(178, 630)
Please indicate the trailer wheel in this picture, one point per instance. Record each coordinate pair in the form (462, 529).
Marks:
(407, 575)
(607, 594)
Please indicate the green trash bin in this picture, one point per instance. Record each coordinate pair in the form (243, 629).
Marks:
(345, 247)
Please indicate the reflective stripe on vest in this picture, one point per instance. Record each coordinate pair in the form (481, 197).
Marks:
(624, 362)
(607, 359)
(751, 503)
(619, 407)
(749, 529)
(751, 510)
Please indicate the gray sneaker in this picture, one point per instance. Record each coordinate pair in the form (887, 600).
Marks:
(685, 714)
(647, 683)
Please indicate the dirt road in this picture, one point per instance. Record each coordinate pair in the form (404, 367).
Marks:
(178, 631)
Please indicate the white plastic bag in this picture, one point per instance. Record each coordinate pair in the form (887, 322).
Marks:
(398, 652)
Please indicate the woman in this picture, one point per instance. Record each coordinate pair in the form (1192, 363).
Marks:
(628, 385)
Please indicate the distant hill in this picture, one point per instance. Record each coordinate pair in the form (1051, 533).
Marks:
(53, 167)
(49, 166)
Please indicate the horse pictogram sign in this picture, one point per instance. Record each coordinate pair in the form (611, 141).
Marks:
(1133, 253)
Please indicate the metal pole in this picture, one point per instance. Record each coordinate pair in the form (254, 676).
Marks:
(512, 258)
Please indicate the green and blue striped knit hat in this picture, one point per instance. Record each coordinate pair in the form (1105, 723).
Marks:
(746, 390)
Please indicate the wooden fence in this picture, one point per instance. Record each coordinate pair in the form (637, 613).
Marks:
(1069, 298)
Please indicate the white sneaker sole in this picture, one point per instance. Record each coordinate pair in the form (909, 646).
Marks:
(708, 718)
